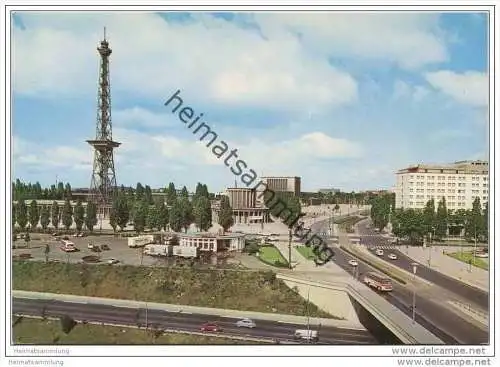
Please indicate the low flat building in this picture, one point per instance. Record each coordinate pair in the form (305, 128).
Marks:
(211, 242)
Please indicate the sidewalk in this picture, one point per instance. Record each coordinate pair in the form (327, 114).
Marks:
(449, 266)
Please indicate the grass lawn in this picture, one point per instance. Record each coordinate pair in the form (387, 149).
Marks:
(305, 251)
(271, 255)
(466, 257)
(37, 331)
(237, 290)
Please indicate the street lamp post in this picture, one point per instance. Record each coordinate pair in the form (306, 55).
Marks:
(414, 266)
(290, 248)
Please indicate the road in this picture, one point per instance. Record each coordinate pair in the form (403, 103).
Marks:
(446, 325)
(469, 293)
(182, 321)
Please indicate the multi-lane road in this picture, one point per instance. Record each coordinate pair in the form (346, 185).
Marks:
(282, 332)
(471, 294)
(431, 314)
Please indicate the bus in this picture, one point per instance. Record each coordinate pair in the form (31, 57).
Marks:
(378, 281)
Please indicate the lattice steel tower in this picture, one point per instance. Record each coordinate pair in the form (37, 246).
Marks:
(103, 183)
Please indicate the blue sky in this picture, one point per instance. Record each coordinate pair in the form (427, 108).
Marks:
(342, 100)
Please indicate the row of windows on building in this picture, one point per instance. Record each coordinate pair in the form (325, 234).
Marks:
(441, 184)
(451, 191)
(450, 178)
(448, 204)
(449, 197)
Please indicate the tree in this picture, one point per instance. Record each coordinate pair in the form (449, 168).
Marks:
(113, 217)
(485, 221)
(14, 216)
(139, 192)
(184, 192)
(187, 212)
(22, 214)
(34, 214)
(60, 191)
(67, 191)
(441, 219)
(164, 217)
(79, 215)
(380, 211)
(148, 195)
(67, 324)
(225, 214)
(153, 219)
(171, 193)
(44, 217)
(123, 212)
(202, 213)
(67, 214)
(475, 221)
(140, 215)
(429, 217)
(55, 214)
(91, 216)
(175, 216)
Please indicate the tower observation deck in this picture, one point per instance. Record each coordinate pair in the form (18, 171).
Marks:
(103, 183)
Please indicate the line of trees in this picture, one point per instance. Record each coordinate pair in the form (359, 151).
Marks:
(136, 206)
(29, 191)
(174, 211)
(431, 222)
(31, 214)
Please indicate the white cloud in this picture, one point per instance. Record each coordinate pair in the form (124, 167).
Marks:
(156, 153)
(409, 40)
(403, 90)
(30, 153)
(209, 60)
(470, 87)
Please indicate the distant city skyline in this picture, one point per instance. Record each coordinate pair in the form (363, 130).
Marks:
(347, 104)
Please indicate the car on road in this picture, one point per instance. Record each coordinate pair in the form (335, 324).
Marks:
(246, 323)
(68, 247)
(353, 262)
(113, 261)
(392, 256)
(379, 252)
(90, 246)
(308, 335)
(211, 327)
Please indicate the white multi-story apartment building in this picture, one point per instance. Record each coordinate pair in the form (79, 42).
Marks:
(460, 183)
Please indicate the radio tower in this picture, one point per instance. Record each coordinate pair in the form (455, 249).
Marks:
(103, 183)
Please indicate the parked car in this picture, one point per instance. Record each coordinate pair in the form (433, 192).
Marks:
(90, 246)
(353, 262)
(379, 252)
(113, 261)
(392, 256)
(105, 247)
(211, 327)
(246, 323)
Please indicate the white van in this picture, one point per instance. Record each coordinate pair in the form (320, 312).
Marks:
(309, 335)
